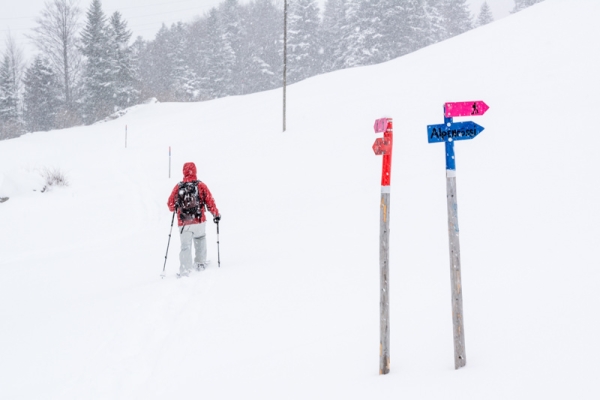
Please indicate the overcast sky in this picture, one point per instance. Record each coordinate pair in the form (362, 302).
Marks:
(145, 17)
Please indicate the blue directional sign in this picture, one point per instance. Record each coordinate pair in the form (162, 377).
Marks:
(452, 131)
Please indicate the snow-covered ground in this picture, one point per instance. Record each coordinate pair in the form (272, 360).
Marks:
(293, 312)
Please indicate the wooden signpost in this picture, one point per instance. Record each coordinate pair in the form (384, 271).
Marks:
(449, 132)
(383, 146)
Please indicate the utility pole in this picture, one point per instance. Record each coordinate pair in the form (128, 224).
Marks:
(284, 57)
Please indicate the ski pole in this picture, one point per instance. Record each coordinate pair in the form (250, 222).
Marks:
(168, 243)
(218, 249)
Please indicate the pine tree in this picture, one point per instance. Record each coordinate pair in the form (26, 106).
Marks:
(302, 40)
(156, 66)
(373, 39)
(396, 23)
(330, 33)
(350, 51)
(138, 49)
(418, 23)
(485, 15)
(457, 17)
(262, 65)
(41, 96)
(522, 4)
(10, 123)
(185, 84)
(198, 44)
(234, 34)
(436, 30)
(220, 59)
(98, 69)
(124, 75)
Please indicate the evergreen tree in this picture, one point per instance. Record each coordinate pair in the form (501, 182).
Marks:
(417, 20)
(10, 123)
(220, 58)
(138, 49)
(436, 30)
(396, 24)
(98, 69)
(457, 17)
(156, 67)
(302, 40)
(262, 67)
(522, 4)
(350, 51)
(234, 34)
(198, 46)
(41, 97)
(330, 33)
(485, 15)
(124, 75)
(185, 84)
(374, 40)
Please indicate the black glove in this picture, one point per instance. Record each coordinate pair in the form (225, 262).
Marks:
(217, 219)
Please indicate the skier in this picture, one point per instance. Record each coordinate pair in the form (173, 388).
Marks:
(189, 199)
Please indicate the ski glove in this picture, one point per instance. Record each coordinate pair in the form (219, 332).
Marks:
(217, 219)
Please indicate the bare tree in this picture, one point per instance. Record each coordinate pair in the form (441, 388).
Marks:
(57, 36)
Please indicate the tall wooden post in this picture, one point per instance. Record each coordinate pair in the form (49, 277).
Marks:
(449, 132)
(383, 146)
(384, 283)
(284, 59)
(460, 357)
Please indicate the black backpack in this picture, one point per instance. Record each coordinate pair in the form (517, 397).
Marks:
(188, 201)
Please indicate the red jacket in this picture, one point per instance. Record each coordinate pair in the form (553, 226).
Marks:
(189, 175)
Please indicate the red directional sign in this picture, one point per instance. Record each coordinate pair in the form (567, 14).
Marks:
(465, 108)
(382, 147)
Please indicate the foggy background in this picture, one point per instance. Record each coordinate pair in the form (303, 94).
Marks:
(145, 17)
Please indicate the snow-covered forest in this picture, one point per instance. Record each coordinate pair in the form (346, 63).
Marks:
(88, 66)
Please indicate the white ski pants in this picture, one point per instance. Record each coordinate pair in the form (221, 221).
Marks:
(197, 234)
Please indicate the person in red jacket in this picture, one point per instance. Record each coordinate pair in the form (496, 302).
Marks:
(189, 199)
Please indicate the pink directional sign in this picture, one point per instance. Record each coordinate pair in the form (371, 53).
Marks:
(465, 108)
(381, 125)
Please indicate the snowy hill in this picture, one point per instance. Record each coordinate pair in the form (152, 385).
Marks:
(293, 312)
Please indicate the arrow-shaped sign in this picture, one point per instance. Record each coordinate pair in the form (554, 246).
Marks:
(465, 108)
(382, 146)
(381, 125)
(453, 131)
